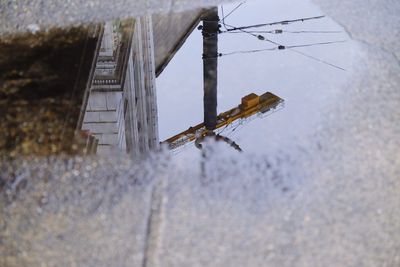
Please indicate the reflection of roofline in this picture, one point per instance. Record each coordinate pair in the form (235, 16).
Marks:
(178, 45)
(85, 98)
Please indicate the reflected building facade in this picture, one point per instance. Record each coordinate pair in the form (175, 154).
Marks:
(87, 89)
(119, 109)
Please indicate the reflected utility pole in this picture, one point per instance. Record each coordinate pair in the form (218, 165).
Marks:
(210, 66)
(210, 75)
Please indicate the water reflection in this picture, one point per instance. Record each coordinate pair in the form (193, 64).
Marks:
(100, 81)
(43, 80)
(316, 178)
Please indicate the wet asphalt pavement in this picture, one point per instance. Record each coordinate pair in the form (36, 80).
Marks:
(28, 15)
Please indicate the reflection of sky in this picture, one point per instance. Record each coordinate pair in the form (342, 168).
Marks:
(307, 86)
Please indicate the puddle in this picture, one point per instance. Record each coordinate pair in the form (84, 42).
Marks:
(252, 133)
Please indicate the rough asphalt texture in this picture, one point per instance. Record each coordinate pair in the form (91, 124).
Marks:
(33, 15)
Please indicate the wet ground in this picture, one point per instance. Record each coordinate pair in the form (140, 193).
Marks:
(23, 15)
(317, 182)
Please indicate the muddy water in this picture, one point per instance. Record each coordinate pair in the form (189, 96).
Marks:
(41, 88)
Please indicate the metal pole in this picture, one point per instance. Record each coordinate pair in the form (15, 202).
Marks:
(210, 66)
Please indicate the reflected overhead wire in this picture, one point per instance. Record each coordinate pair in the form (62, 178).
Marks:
(317, 59)
(248, 51)
(315, 44)
(234, 29)
(312, 31)
(279, 31)
(233, 10)
(260, 37)
(283, 22)
(290, 48)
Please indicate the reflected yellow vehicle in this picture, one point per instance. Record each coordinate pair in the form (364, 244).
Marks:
(250, 105)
